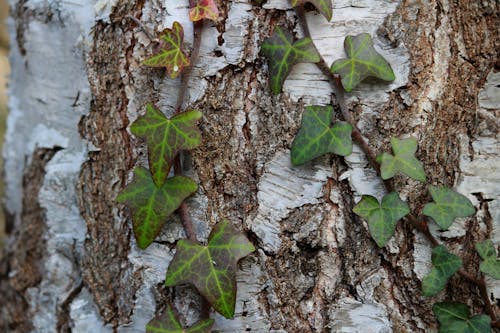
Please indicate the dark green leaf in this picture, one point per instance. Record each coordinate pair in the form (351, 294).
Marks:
(445, 265)
(363, 61)
(324, 6)
(448, 205)
(212, 268)
(455, 318)
(403, 161)
(490, 264)
(283, 53)
(171, 56)
(318, 136)
(165, 138)
(382, 218)
(151, 205)
(168, 323)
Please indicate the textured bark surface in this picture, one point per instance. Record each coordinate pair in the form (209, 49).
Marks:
(72, 263)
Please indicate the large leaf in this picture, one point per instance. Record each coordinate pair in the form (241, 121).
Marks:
(204, 9)
(363, 61)
(455, 318)
(283, 53)
(318, 136)
(445, 264)
(324, 6)
(403, 160)
(490, 264)
(168, 323)
(447, 206)
(151, 205)
(171, 55)
(212, 268)
(382, 218)
(165, 138)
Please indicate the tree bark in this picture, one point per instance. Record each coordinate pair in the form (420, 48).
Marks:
(72, 264)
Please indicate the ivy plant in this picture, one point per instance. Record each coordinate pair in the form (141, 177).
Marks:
(325, 7)
(168, 323)
(490, 264)
(445, 265)
(403, 161)
(455, 318)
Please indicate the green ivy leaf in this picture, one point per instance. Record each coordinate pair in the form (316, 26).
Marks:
(212, 268)
(455, 318)
(165, 138)
(204, 9)
(171, 56)
(318, 136)
(168, 323)
(324, 6)
(151, 205)
(448, 205)
(490, 264)
(403, 161)
(283, 53)
(363, 61)
(445, 265)
(382, 218)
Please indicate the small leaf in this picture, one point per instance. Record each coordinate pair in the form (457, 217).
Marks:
(363, 61)
(324, 6)
(212, 268)
(403, 161)
(171, 56)
(455, 318)
(490, 264)
(168, 323)
(445, 265)
(204, 9)
(448, 205)
(151, 205)
(382, 218)
(165, 138)
(318, 136)
(283, 53)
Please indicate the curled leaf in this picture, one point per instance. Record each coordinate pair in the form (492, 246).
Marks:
(445, 264)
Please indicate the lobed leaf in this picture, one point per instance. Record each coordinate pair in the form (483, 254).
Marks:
(318, 136)
(447, 206)
(363, 61)
(204, 9)
(165, 138)
(168, 323)
(455, 318)
(403, 161)
(325, 7)
(212, 268)
(490, 264)
(171, 56)
(151, 205)
(445, 265)
(283, 53)
(382, 218)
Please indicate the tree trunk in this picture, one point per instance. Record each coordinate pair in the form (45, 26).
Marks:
(77, 83)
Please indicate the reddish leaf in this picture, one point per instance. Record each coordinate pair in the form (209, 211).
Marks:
(204, 9)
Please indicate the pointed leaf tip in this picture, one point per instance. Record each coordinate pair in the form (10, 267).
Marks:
(445, 264)
(490, 264)
(204, 9)
(447, 206)
(403, 161)
(455, 318)
(325, 7)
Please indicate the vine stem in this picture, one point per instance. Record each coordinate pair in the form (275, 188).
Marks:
(419, 223)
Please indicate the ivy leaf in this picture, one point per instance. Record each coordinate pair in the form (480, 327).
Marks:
(455, 318)
(324, 6)
(363, 61)
(448, 205)
(403, 161)
(152, 205)
(318, 136)
(168, 323)
(283, 53)
(212, 268)
(445, 265)
(382, 218)
(171, 55)
(490, 264)
(204, 9)
(165, 138)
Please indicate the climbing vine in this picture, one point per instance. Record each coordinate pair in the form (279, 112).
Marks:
(154, 194)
